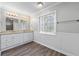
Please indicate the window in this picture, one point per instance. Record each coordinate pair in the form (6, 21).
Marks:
(47, 23)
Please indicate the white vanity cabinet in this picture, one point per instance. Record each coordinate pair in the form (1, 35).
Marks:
(12, 40)
(9, 40)
(3, 42)
(18, 38)
(27, 37)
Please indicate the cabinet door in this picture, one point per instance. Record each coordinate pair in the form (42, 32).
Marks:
(10, 40)
(30, 36)
(3, 42)
(14, 39)
(18, 38)
(27, 37)
(0, 26)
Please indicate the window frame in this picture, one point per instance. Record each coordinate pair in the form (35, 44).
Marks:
(54, 31)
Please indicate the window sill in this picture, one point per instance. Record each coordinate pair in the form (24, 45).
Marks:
(48, 33)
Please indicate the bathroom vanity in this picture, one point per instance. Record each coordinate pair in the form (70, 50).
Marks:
(14, 29)
(15, 38)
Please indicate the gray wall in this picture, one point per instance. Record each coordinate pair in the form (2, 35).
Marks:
(66, 39)
(64, 12)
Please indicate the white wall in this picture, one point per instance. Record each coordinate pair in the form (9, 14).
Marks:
(66, 43)
(2, 20)
(66, 38)
(64, 12)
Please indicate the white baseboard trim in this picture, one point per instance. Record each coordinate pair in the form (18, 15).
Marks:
(66, 53)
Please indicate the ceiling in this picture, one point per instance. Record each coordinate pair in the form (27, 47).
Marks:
(28, 7)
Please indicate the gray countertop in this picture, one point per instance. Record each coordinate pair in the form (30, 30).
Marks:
(15, 32)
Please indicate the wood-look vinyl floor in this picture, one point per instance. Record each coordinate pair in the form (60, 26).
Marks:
(31, 49)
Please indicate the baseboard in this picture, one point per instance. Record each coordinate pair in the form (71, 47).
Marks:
(61, 51)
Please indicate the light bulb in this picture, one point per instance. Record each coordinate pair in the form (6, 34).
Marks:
(40, 4)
